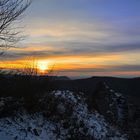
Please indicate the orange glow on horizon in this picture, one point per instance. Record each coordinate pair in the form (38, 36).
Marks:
(69, 65)
(42, 66)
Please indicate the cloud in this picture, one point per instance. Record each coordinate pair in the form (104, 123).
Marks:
(95, 36)
(69, 48)
(83, 33)
(105, 68)
(85, 26)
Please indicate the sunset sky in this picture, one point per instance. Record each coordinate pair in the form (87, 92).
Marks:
(80, 38)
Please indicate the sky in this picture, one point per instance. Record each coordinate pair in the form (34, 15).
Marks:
(80, 38)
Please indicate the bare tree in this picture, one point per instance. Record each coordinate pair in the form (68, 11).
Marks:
(10, 11)
(30, 68)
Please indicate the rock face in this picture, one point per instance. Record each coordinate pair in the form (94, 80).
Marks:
(116, 110)
(66, 115)
(63, 115)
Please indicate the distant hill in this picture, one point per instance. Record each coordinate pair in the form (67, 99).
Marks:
(129, 87)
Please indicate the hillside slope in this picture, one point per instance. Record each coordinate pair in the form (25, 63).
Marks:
(65, 116)
(61, 115)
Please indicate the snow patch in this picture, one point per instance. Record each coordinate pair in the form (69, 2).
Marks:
(37, 127)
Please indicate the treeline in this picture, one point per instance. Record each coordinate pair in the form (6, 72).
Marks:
(22, 85)
(26, 87)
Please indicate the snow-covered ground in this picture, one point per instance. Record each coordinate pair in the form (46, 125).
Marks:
(80, 123)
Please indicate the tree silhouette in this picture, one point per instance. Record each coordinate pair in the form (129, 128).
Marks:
(10, 11)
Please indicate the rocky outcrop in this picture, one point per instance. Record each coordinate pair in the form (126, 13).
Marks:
(116, 109)
(66, 115)
(63, 115)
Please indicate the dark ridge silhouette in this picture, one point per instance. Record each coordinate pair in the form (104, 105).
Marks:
(129, 87)
(17, 85)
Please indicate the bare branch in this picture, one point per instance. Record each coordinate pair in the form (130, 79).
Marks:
(10, 11)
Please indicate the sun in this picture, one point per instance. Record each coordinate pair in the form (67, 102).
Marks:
(42, 66)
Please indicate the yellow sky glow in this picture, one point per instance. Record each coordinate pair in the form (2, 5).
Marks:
(67, 65)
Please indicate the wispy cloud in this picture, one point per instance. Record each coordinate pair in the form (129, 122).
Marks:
(93, 36)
